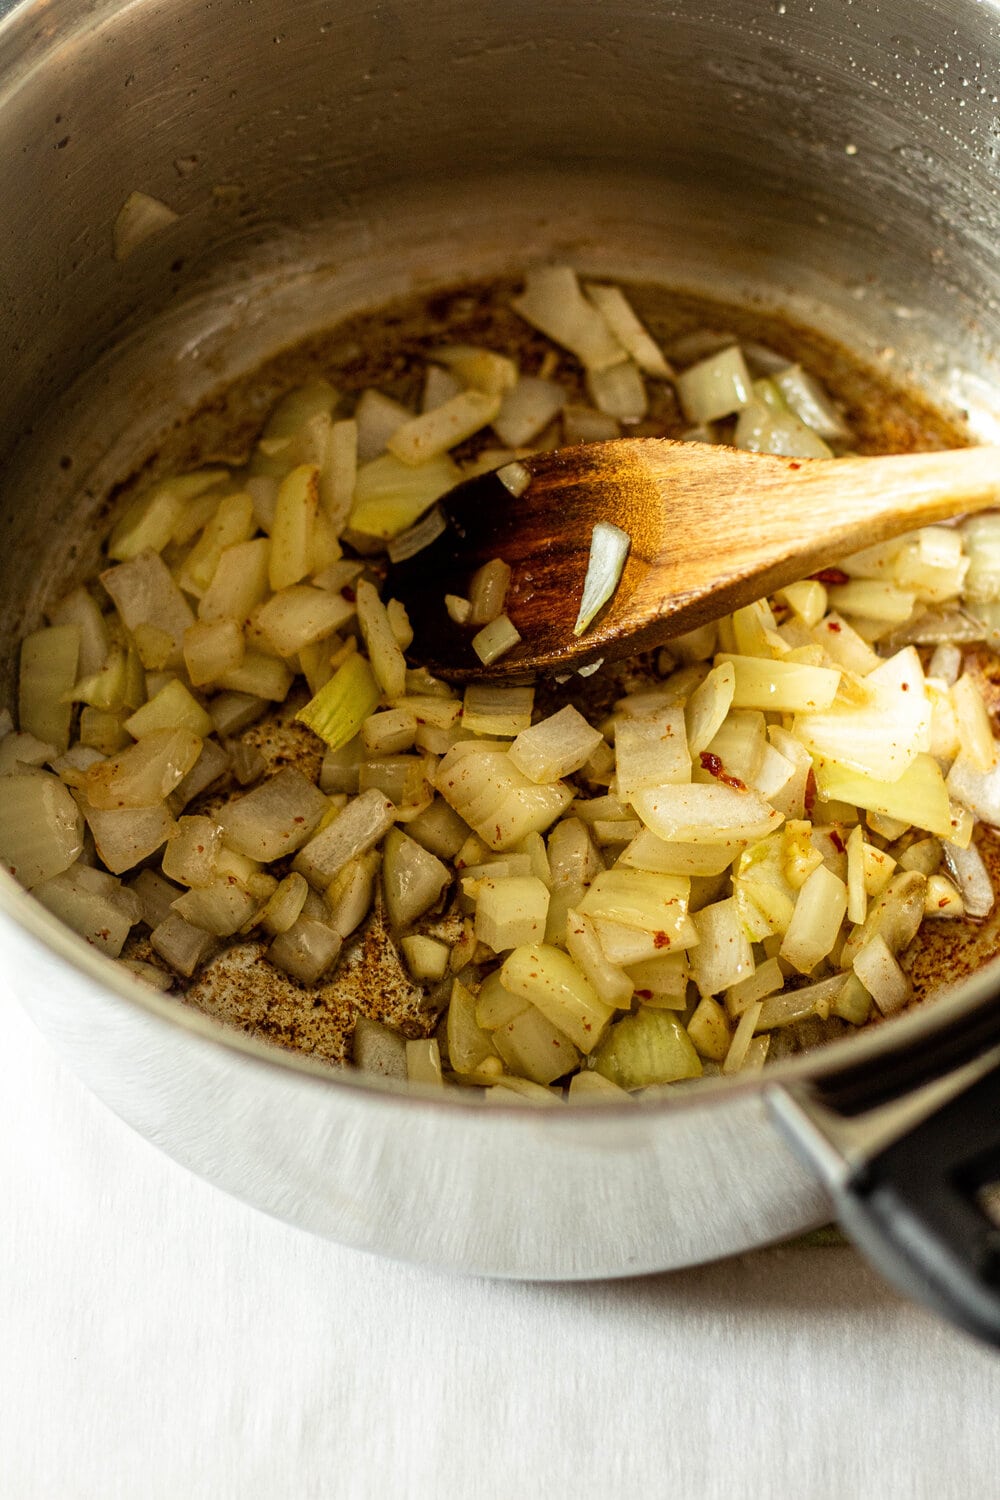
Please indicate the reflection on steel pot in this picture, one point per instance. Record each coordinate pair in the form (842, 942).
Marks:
(304, 161)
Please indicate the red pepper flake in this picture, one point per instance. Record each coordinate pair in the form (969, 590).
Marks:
(809, 796)
(837, 841)
(348, 593)
(661, 940)
(298, 818)
(834, 625)
(944, 901)
(499, 834)
(713, 765)
(830, 575)
(905, 686)
(794, 466)
(645, 994)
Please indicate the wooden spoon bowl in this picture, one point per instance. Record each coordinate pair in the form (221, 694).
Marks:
(711, 528)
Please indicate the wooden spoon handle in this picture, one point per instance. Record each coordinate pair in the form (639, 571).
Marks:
(842, 505)
(706, 544)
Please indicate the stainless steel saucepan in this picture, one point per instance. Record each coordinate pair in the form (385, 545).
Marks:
(838, 161)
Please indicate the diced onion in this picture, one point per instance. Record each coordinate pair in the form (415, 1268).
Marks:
(609, 547)
(140, 217)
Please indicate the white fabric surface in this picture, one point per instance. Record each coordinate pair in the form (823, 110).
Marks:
(159, 1341)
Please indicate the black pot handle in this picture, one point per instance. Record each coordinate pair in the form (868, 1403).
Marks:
(909, 1175)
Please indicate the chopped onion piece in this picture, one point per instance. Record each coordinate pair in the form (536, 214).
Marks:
(783, 686)
(439, 386)
(742, 1038)
(626, 327)
(482, 369)
(80, 608)
(296, 616)
(180, 944)
(173, 707)
(637, 898)
(972, 878)
(41, 831)
(495, 640)
(647, 1048)
(338, 472)
(358, 828)
(192, 851)
(609, 547)
(387, 661)
(708, 1029)
(146, 773)
(307, 951)
(555, 747)
(715, 387)
(378, 1050)
(145, 594)
(610, 981)
(511, 911)
(582, 424)
(390, 495)
(339, 709)
(412, 878)
(470, 1048)
(125, 836)
(515, 478)
(432, 434)
(534, 1047)
(882, 738)
(815, 926)
(550, 980)
(619, 392)
(459, 609)
(500, 711)
(212, 763)
(275, 819)
(495, 798)
(882, 976)
(526, 410)
(767, 425)
(919, 796)
(426, 958)
(139, 219)
(487, 591)
(376, 418)
(553, 302)
(408, 543)
(591, 1088)
(423, 1063)
(651, 752)
(221, 908)
(722, 956)
(811, 404)
(48, 674)
(705, 814)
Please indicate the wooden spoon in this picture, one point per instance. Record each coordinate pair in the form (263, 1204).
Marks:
(711, 528)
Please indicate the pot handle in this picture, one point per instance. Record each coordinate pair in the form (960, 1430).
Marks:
(909, 1177)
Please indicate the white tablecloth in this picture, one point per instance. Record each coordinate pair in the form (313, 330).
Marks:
(159, 1341)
